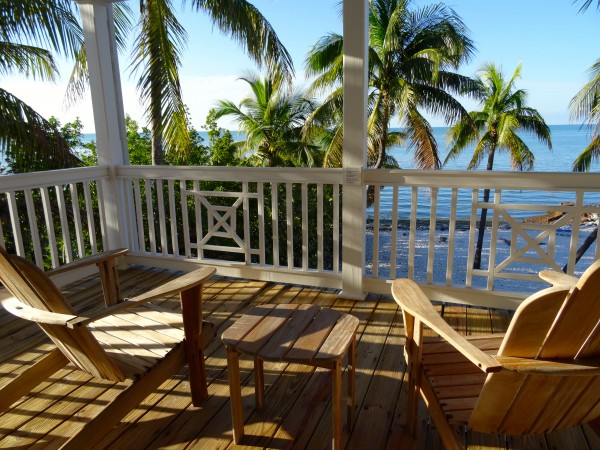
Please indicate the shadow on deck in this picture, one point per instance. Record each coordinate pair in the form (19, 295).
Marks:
(297, 411)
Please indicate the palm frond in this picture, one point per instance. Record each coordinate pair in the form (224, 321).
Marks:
(28, 142)
(28, 60)
(425, 146)
(158, 58)
(47, 24)
(245, 24)
(591, 153)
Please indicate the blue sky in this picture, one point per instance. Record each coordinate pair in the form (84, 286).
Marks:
(554, 42)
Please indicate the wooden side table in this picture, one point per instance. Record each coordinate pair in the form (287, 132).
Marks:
(305, 334)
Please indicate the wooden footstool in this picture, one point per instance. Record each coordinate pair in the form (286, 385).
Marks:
(305, 334)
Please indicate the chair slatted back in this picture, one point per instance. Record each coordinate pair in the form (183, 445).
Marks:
(33, 287)
(553, 324)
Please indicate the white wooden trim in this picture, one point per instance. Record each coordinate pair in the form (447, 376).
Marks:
(77, 220)
(33, 228)
(46, 206)
(64, 223)
(173, 217)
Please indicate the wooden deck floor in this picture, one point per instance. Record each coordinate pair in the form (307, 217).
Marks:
(297, 412)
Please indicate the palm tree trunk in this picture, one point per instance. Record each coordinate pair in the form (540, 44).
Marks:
(383, 142)
(156, 120)
(483, 218)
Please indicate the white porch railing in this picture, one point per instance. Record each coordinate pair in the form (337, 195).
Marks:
(53, 217)
(284, 224)
(270, 223)
(430, 230)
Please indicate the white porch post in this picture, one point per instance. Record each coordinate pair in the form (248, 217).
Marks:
(356, 38)
(109, 117)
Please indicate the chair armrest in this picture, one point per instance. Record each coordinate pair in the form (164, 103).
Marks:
(87, 260)
(556, 367)
(558, 278)
(412, 300)
(16, 307)
(179, 284)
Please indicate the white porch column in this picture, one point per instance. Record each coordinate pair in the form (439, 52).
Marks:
(109, 117)
(356, 39)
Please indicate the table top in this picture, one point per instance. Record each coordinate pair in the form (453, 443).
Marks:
(294, 333)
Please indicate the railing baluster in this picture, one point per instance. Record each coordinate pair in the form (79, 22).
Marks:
(246, 212)
(471, 249)
(15, 222)
(432, 225)
(289, 225)
(451, 236)
(275, 222)
(77, 220)
(304, 189)
(413, 232)
(103, 226)
(64, 223)
(320, 214)
(33, 229)
(494, 240)
(139, 215)
(578, 210)
(185, 221)
(47, 207)
(150, 215)
(89, 208)
(162, 225)
(336, 228)
(173, 218)
(375, 246)
(198, 215)
(261, 222)
(394, 237)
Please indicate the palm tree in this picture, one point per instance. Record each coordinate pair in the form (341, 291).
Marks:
(494, 129)
(27, 29)
(272, 119)
(157, 59)
(411, 57)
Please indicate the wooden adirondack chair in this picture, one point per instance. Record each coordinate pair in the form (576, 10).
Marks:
(130, 340)
(542, 375)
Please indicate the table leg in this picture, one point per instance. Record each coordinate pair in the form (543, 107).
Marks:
(351, 382)
(259, 383)
(235, 394)
(336, 405)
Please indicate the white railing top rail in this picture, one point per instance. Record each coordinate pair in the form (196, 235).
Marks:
(549, 181)
(17, 182)
(249, 174)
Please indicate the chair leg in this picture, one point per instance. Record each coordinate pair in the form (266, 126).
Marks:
(191, 305)
(259, 383)
(235, 394)
(336, 405)
(351, 383)
(31, 377)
